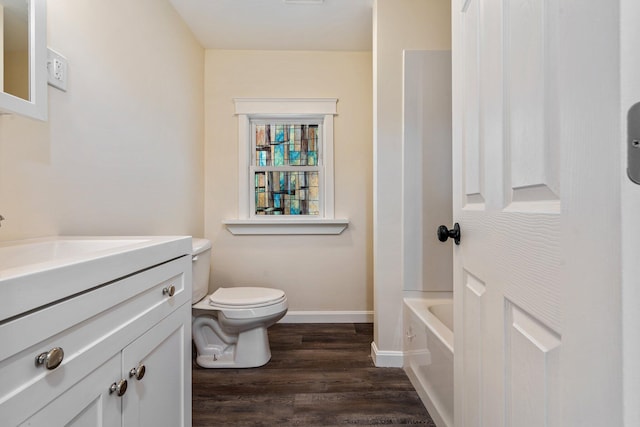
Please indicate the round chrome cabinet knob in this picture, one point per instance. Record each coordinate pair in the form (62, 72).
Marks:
(169, 290)
(51, 359)
(138, 372)
(119, 388)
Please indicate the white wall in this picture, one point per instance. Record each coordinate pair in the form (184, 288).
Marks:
(318, 273)
(122, 150)
(426, 167)
(397, 25)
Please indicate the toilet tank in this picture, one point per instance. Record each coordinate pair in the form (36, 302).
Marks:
(201, 262)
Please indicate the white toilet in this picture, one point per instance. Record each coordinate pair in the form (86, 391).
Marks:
(230, 326)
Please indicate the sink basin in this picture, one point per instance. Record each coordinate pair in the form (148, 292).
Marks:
(37, 272)
(35, 252)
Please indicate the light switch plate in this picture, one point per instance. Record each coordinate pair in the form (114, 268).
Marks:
(57, 69)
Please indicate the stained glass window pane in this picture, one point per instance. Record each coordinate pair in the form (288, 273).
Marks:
(287, 193)
(287, 144)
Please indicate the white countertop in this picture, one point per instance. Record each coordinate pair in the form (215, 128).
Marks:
(37, 272)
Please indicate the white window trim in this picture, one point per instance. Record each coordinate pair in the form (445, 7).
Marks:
(268, 108)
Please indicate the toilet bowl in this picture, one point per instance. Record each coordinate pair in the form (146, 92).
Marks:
(230, 326)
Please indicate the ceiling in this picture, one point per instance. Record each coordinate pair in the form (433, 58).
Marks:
(279, 24)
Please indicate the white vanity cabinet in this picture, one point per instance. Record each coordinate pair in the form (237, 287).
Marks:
(134, 330)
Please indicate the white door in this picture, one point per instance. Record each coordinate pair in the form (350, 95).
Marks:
(536, 183)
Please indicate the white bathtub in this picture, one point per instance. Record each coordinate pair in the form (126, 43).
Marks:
(428, 354)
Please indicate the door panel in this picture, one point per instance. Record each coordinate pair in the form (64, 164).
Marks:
(473, 176)
(530, 105)
(533, 367)
(472, 353)
(525, 70)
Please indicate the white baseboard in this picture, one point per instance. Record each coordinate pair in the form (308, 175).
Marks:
(328, 317)
(386, 359)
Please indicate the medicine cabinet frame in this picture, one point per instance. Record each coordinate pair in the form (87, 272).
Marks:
(36, 106)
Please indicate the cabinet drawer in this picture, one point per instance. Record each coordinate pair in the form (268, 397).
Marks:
(90, 328)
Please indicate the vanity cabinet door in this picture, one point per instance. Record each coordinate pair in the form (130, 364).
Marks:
(162, 396)
(88, 403)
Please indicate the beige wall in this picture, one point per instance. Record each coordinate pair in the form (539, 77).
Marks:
(318, 273)
(122, 150)
(397, 25)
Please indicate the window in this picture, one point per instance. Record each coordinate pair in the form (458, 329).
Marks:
(285, 167)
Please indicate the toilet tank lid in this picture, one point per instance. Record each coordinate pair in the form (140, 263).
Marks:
(199, 245)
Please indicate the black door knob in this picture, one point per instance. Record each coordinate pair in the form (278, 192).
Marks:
(444, 233)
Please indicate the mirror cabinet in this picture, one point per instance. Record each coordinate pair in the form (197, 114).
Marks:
(23, 74)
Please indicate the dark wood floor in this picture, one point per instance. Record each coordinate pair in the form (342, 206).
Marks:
(319, 375)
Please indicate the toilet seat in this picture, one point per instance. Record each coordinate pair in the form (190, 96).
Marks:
(245, 297)
(258, 302)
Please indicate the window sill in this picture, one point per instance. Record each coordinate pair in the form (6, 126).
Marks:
(286, 226)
